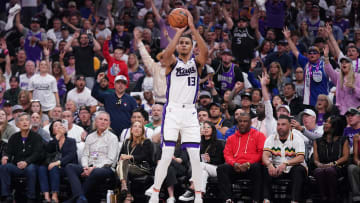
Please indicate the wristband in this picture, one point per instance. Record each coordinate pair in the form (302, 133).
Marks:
(6, 52)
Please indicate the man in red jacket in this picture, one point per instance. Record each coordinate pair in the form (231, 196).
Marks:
(242, 153)
(116, 66)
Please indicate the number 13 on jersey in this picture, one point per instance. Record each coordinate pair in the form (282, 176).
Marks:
(191, 81)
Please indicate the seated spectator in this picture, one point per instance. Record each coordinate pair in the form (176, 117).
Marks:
(246, 104)
(299, 81)
(6, 129)
(85, 120)
(24, 78)
(347, 83)
(35, 107)
(211, 151)
(81, 95)
(138, 115)
(242, 160)
(24, 100)
(8, 110)
(37, 127)
(23, 153)
(295, 102)
(325, 109)
(284, 158)
(136, 152)
(215, 116)
(60, 151)
(262, 120)
(331, 153)
(157, 120)
(353, 121)
(310, 129)
(232, 130)
(97, 162)
(277, 79)
(13, 93)
(74, 131)
(16, 110)
(354, 171)
(60, 76)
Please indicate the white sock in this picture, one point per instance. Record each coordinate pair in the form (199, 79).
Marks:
(194, 155)
(162, 167)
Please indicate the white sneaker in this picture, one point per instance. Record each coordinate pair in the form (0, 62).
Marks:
(187, 196)
(149, 191)
(171, 200)
(154, 198)
(198, 200)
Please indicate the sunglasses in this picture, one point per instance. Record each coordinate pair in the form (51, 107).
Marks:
(313, 52)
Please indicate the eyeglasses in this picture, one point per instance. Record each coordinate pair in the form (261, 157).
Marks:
(299, 72)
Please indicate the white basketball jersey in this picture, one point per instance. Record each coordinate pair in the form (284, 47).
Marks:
(183, 82)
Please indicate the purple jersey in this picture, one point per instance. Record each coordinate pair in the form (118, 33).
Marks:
(33, 51)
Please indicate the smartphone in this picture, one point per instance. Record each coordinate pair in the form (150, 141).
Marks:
(65, 124)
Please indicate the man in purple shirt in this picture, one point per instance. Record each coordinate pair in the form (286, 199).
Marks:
(353, 119)
(166, 32)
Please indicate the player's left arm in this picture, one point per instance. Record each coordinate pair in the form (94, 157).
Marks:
(203, 54)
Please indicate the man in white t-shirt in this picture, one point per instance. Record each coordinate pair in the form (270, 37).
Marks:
(81, 95)
(76, 132)
(43, 87)
(25, 77)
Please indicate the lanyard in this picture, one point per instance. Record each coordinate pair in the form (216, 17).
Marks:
(310, 68)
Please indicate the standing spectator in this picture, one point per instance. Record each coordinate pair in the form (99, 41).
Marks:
(95, 169)
(35, 107)
(347, 83)
(243, 38)
(331, 153)
(316, 80)
(325, 109)
(84, 54)
(284, 157)
(13, 93)
(282, 57)
(135, 71)
(340, 21)
(116, 66)
(19, 66)
(299, 81)
(35, 40)
(23, 153)
(24, 78)
(55, 32)
(43, 87)
(314, 21)
(353, 120)
(118, 104)
(226, 73)
(156, 69)
(120, 38)
(242, 160)
(294, 101)
(81, 95)
(61, 77)
(275, 15)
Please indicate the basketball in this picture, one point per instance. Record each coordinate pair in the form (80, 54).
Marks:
(178, 18)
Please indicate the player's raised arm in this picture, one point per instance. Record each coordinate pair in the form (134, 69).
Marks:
(168, 57)
(203, 55)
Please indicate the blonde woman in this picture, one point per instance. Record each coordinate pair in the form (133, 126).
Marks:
(277, 78)
(35, 107)
(135, 157)
(24, 99)
(347, 82)
(325, 109)
(6, 130)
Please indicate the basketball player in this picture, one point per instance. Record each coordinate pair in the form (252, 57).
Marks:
(180, 115)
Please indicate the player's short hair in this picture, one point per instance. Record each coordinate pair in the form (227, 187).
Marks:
(188, 36)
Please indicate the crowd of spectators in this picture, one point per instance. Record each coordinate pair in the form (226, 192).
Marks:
(82, 89)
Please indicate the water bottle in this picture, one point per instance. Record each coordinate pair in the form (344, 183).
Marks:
(108, 196)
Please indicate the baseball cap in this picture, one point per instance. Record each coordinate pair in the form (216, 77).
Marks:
(283, 106)
(314, 48)
(345, 58)
(7, 103)
(17, 108)
(204, 94)
(72, 3)
(84, 108)
(64, 27)
(282, 42)
(243, 18)
(121, 77)
(309, 112)
(80, 77)
(352, 111)
(246, 94)
(179, 2)
(35, 20)
(214, 103)
(227, 51)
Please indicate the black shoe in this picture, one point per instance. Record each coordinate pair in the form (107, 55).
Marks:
(189, 195)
